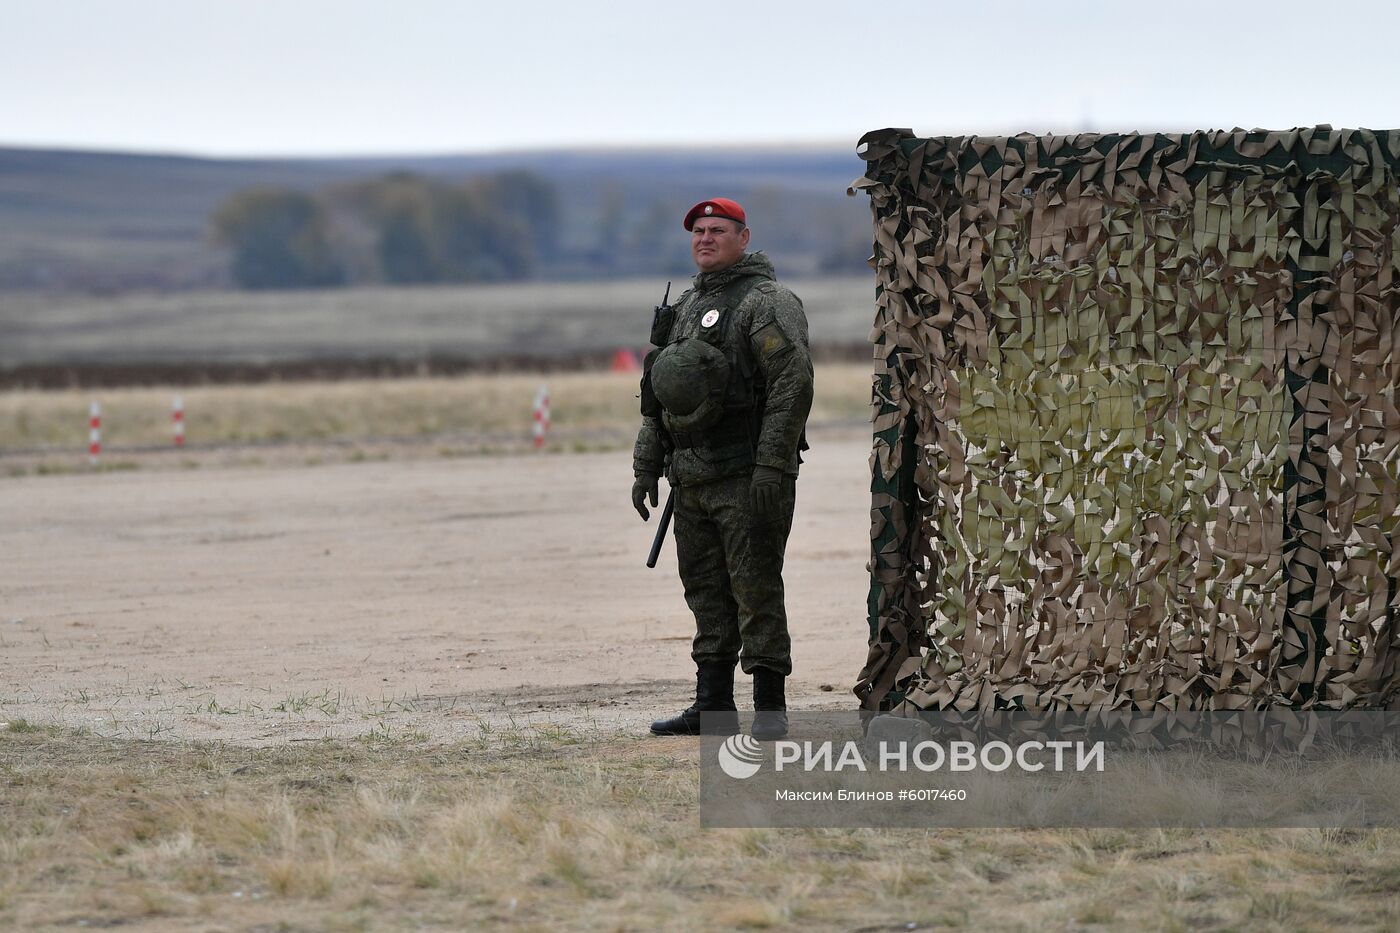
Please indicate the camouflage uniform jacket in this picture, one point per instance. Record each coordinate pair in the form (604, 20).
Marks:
(766, 338)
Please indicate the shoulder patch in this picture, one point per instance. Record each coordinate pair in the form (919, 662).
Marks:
(770, 341)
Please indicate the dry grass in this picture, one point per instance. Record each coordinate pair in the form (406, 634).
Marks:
(598, 408)
(556, 830)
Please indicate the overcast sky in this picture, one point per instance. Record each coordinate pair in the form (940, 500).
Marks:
(348, 77)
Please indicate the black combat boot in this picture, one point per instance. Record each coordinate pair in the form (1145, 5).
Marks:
(714, 694)
(770, 705)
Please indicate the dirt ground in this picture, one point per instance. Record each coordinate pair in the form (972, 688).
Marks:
(440, 598)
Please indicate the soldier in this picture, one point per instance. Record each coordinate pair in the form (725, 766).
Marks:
(724, 404)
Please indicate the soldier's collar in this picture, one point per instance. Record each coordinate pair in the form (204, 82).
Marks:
(704, 280)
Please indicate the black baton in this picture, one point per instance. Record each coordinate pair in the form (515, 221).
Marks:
(661, 529)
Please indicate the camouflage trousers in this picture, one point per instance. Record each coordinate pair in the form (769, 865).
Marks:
(732, 567)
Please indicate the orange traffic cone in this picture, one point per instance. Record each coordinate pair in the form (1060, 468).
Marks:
(625, 361)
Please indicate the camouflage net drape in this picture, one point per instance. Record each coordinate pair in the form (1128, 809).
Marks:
(1136, 423)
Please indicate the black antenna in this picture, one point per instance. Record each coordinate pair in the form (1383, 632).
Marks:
(664, 306)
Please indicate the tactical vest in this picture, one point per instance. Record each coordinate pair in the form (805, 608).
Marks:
(706, 387)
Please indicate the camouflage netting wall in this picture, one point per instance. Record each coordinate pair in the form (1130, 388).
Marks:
(1136, 427)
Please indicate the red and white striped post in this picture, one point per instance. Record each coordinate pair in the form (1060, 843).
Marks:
(177, 417)
(94, 433)
(541, 415)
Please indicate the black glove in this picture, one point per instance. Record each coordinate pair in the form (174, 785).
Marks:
(644, 485)
(767, 491)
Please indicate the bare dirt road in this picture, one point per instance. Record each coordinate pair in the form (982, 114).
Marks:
(437, 597)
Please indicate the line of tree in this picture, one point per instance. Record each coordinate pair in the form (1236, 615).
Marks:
(279, 239)
(407, 228)
(418, 230)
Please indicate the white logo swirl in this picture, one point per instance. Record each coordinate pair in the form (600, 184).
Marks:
(740, 756)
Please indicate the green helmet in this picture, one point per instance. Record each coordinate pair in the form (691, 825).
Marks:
(689, 378)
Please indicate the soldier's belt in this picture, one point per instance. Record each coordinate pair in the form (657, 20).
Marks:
(723, 434)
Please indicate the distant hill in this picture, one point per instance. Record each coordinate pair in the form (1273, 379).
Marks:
(95, 221)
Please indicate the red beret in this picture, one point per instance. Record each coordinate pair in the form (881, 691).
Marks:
(716, 207)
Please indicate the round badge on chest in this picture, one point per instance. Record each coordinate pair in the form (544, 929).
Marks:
(710, 317)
